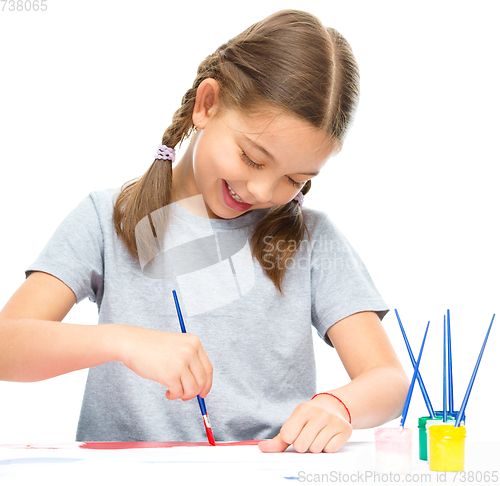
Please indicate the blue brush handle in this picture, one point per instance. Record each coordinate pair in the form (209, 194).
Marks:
(412, 384)
(203, 408)
(445, 372)
(451, 405)
(202, 405)
(473, 377)
(179, 313)
(427, 400)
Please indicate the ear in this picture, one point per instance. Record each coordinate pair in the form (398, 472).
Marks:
(207, 102)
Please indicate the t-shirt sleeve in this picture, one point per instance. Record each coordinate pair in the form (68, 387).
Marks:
(74, 253)
(341, 285)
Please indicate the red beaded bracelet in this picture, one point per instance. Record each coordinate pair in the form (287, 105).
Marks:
(345, 406)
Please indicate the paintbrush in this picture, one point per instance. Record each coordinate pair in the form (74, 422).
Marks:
(201, 402)
(419, 377)
(445, 371)
(450, 367)
(412, 384)
(473, 377)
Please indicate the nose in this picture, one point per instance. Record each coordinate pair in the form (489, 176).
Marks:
(262, 188)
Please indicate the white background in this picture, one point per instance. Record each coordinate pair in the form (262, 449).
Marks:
(88, 88)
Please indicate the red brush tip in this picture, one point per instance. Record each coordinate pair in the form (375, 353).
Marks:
(210, 436)
(208, 430)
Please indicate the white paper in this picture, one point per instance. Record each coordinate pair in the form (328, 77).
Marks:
(235, 465)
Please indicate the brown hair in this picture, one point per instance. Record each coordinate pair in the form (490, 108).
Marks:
(288, 61)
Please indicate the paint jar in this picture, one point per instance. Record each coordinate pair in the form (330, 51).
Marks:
(422, 437)
(436, 421)
(393, 450)
(446, 447)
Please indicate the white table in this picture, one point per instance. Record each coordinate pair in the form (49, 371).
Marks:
(161, 463)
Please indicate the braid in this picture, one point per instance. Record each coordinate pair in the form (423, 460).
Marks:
(182, 122)
(283, 223)
(139, 198)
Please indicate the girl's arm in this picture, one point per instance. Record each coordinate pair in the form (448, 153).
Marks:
(36, 345)
(379, 383)
(375, 395)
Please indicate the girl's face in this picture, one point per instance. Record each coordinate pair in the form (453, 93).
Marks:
(241, 163)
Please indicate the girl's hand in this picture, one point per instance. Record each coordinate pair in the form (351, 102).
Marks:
(319, 425)
(176, 360)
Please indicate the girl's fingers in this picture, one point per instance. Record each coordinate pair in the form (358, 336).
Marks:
(199, 374)
(276, 444)
(184, 388)
(331, 438)
(309, 433)
(299, 419)
(209, 371)
(336, 442)
(312, 428)
(175, 390)
(324, 437)
(192, 374)
(189, 385)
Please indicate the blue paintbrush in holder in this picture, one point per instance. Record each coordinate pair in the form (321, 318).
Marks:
(419, 377)
(412, 383)
(445, 372)
(450, 367)
(473, 377)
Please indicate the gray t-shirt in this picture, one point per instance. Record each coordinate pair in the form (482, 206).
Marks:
(259, 342)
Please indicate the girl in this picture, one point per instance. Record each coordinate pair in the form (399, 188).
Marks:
(253, 269)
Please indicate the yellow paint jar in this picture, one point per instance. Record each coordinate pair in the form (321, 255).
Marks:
(446, 447)
(450, 421)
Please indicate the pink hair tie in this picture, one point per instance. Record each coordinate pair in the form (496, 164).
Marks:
(165, 153)
(299, 198)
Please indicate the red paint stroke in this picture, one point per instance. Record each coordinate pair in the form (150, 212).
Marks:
(123, 445)
(158, 445)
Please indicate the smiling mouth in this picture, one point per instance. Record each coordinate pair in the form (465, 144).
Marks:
(234, 195)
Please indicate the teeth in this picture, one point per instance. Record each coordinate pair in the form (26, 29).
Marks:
(235, 196)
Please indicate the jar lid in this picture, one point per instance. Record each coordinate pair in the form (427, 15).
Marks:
(422, 421)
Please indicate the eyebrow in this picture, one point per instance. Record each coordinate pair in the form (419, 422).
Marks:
(308, 173)
(259, 147)
(269, 156)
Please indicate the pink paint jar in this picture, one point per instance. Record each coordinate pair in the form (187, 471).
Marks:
(393, 450)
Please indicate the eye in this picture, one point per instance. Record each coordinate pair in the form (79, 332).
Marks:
(253, 164)
(249, 162)
(295, 183)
